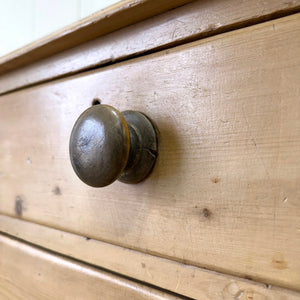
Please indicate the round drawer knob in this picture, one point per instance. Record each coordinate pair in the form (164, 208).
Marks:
(106, 145)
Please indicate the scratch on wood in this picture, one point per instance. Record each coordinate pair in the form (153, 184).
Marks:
(178, 282)
(173, 33)
(149, 274)
(254, 141)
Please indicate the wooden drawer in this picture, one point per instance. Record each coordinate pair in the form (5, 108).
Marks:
(27, 272)
(183, 279)
(224, 194)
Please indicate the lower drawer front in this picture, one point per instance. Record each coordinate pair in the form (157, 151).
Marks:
(225, 191)
(30, 273)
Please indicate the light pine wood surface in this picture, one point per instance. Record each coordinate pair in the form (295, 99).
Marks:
(180, 278)
(27, 272)
(114, 17)
(224, 194)
(192, 21)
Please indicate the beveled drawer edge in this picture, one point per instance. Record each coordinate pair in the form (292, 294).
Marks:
(173, 276)
(48, 275)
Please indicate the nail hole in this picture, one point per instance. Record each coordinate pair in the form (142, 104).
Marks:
(96, 101)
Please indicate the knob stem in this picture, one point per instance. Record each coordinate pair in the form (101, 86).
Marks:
(143, 147)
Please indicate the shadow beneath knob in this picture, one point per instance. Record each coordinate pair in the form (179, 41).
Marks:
(165, 177)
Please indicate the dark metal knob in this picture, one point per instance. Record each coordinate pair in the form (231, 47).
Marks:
(106, 145)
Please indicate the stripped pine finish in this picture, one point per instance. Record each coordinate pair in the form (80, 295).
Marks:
(27, 272)
(224, 194)
(180, 278)
(116, 16)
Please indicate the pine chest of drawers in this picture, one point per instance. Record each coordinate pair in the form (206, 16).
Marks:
(218, 217)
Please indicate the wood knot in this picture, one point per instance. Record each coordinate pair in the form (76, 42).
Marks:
(19, 206)
(216, 180)
(56, 191)
(278, 261)
(206, 213)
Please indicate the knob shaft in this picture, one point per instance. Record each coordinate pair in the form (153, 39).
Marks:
(106, 145)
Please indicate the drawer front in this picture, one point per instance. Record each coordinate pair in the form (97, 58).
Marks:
(27, 272)
(224, 193)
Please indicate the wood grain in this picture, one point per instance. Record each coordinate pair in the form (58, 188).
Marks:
(116, 16)
(180, 278)
(224, 194)
(189, 22)
(27, 272)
